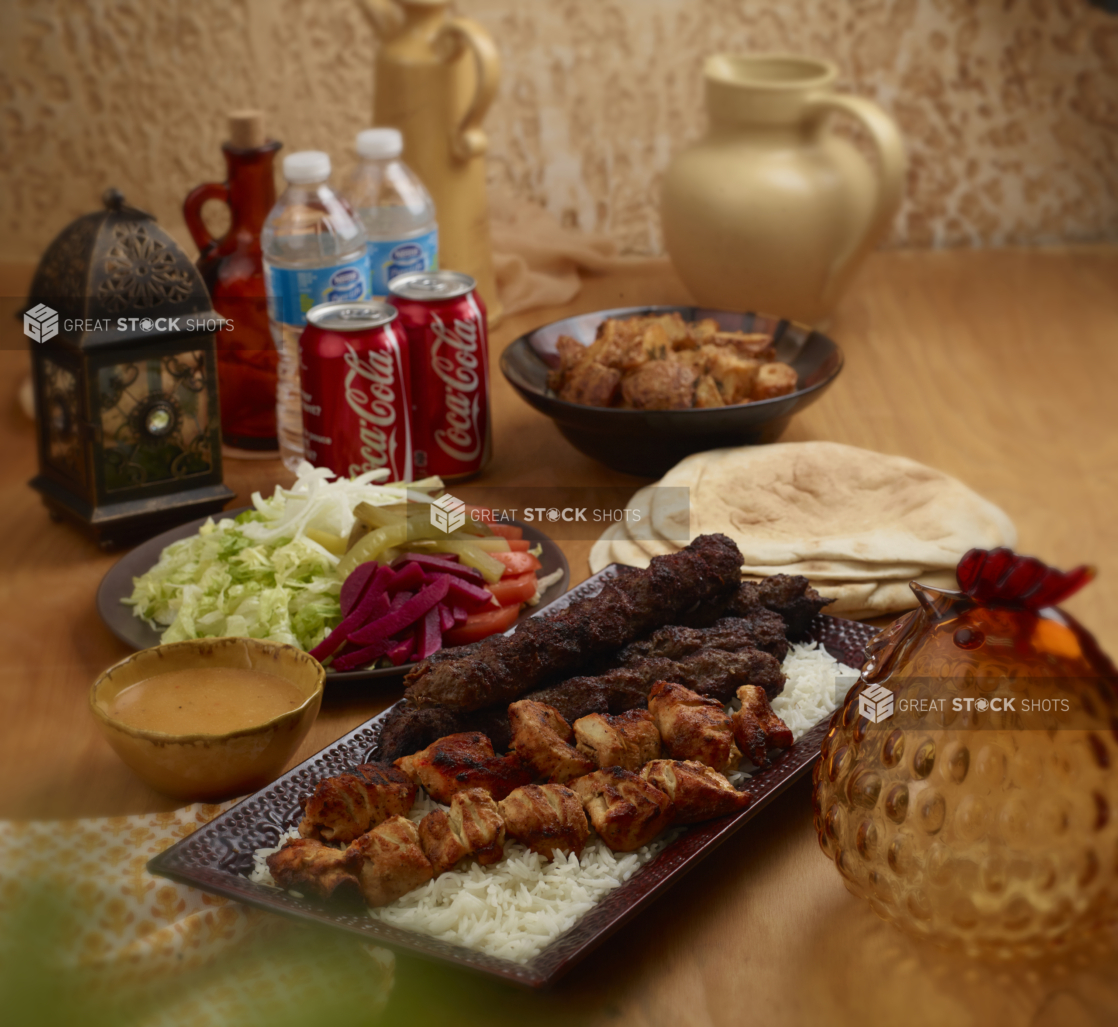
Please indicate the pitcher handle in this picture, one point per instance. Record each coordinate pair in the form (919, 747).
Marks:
(192, 212)
(891, 156)
(457, 35)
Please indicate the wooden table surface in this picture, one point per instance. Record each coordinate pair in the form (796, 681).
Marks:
(997, 366)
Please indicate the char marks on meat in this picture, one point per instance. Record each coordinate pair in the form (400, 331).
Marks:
(761, 629)
(500, 669)
(789, 596)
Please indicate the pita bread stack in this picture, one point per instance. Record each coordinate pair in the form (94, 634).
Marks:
(859, 525)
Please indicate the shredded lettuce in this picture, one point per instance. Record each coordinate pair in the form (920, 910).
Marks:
(258, 575)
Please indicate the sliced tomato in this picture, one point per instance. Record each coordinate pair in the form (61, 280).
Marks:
(514, 588)
(517, 563)
(518, 545)
(481, 625)
(509, 531)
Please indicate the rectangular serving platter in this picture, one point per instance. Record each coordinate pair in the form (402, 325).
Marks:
(219, 856)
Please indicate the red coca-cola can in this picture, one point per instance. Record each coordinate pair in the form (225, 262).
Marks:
(354, 375)
(448, 342)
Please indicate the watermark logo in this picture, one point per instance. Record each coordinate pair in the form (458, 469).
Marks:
(876, 704)
(40, 323)
(447, 513)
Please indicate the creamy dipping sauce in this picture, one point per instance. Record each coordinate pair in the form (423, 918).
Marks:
(207, 701)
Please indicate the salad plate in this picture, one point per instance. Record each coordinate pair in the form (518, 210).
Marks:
(218, 857)
(116, 586)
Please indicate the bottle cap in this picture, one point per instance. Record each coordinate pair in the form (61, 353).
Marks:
(379, 143)
(306, 166)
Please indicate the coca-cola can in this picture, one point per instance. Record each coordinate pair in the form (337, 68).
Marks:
(448, 341)
(355, 383)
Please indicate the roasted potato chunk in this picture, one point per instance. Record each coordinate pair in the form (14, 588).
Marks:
(707, 393)
(389, 861)
(627, 740)
(593, 385)
(546, 818)
(774, 380)
(692, 726)
(626, 811)
(541, 738)
(659, 385)
(757, 728)
(698, 792)
(751, 345)
(465, 760)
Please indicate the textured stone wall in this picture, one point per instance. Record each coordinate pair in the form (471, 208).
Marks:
(1009, 107)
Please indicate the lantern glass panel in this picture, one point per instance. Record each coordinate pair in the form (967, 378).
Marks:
(155, 420)
(62, 415)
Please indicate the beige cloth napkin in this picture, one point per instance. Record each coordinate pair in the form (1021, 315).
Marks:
(538, 262)
(82, 912)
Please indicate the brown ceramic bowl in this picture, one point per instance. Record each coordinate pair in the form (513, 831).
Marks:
(211, 767)
(651, 442)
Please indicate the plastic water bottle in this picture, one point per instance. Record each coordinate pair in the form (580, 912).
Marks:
(314, 252)
(394, 207)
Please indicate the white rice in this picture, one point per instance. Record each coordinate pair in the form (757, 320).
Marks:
(515, 908)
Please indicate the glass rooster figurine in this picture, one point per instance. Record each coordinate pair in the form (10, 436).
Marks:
(968, 786)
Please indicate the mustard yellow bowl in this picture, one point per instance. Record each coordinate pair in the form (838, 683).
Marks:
(209, 767)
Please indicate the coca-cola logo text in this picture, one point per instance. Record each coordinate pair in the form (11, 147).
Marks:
(459, 369)
(370, 393)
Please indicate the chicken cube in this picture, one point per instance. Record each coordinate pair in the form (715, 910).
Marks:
(707, 394)
(306, 864)
(627, 740)
(693, 726)
(389, 861)
(659, 385)
(546, 818)
(472, 827)
(346, 806)
(774, 380)
(757, 728)
(697, 791)
(626, 811)
(541, 738)
(465, 760)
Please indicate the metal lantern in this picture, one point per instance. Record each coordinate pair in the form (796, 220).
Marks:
(125, 374)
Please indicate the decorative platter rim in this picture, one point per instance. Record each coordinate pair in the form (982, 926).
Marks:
(134, 632)
(218, 855)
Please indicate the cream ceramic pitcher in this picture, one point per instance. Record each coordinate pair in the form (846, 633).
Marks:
(436, 76)
(770, 211)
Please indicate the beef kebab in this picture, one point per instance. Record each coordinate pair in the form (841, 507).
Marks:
(501, 668)
(714, 661)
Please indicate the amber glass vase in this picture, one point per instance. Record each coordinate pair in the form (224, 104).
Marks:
(968, 788)
(233, 270)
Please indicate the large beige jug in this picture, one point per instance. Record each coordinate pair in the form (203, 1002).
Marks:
(770, 211)
(436, 76)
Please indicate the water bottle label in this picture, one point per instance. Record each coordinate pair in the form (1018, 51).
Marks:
(390, 259)
(293, 291)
